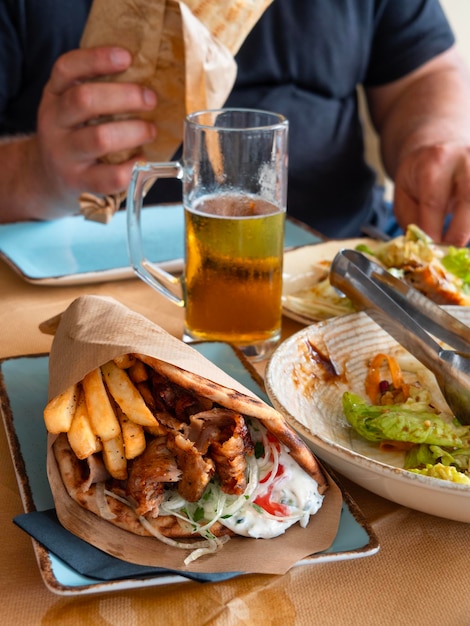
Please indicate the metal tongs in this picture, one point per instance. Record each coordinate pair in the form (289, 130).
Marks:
(413, 320)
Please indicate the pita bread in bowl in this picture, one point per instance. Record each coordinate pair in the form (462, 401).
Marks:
(306, 379)
(95, 332)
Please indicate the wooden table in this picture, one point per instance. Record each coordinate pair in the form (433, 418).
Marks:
(419, 576)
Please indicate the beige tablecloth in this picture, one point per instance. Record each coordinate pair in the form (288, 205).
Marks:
(419, 576)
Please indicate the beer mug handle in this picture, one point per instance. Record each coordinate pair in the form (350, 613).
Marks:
(143, 176)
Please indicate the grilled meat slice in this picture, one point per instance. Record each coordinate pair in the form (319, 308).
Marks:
(224, 436)
(148, 473)
(196, 470)
(176, 400)
(432, 281)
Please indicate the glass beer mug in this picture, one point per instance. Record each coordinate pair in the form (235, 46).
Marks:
(234, 175)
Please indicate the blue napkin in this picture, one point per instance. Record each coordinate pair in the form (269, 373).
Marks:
(90, 561)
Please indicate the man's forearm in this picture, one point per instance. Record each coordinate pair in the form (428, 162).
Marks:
(27, 193)
(428, 108)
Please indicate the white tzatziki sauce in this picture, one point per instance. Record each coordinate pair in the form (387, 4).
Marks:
(291, 497)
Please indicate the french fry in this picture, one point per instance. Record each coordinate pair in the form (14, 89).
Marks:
(138, 372)
(126, 395)
(114, 457)
(155, 431)
(60, 410)
(82, 439)
(102, 417)
(133, 436)
(146, 394)
(125, 361)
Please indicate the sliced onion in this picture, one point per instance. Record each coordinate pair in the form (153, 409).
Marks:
(214, 545)
(199, 548)
(173, 501)
(264, 461)
(264, 486)
(102, 502)
(218, 513)
(252, 483)
(173, 542)
(119, 498)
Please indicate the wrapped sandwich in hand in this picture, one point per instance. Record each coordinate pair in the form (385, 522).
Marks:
(181, 50)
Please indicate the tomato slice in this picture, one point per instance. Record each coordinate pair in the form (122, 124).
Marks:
(279, 472)
(274, 508)
(265, 502)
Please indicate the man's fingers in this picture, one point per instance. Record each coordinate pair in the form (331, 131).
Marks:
(103, 178)
(425, 178)
(404, 208)
(87, 101)
(95, 141)
(86, 64)
(458, 233)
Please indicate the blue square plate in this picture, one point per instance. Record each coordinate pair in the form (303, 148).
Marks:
(22, 411)
(74, 250)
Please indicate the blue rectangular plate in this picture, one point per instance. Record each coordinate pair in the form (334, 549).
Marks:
(23, 396)
(73, 250)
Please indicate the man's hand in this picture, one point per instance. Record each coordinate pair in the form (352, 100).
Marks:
(432, 183)
(73, 133)
(42, 175)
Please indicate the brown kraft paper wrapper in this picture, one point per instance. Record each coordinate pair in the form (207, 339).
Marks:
(183, 51)
(94, 330)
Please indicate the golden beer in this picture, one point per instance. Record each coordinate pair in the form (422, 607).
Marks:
(233, 275)
(234, 177)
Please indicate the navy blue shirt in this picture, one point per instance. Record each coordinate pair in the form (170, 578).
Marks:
(304, 59)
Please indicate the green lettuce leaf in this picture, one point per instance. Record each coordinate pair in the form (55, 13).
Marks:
(457, 261)
(422, 455)
(399, 422)
(362, 247)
